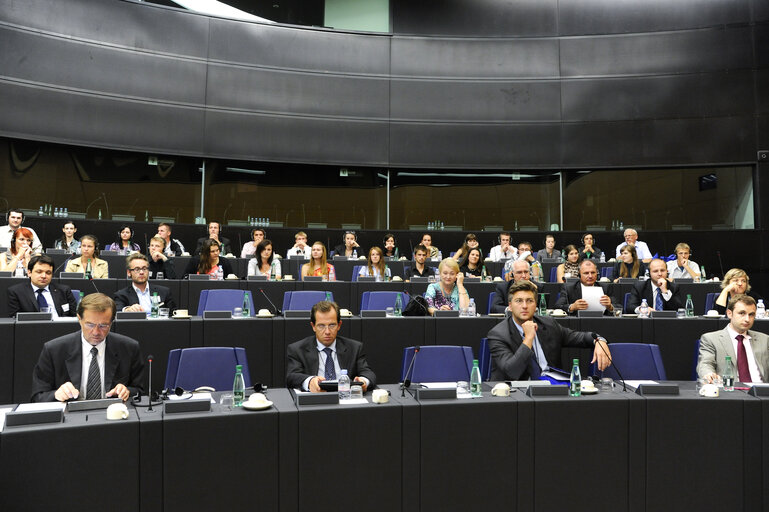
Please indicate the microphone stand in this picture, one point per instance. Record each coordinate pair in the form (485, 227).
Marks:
(406, 381)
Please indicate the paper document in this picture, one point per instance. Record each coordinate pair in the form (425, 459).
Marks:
(42, 406)
(195, 396)
(556, 375)
(636, 383)
(353, 401)
(2, 416)
(593, 294)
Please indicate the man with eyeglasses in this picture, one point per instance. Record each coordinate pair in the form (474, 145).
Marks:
(324, 355)
(520, 271)
(89, 364)
(137, 296)
(524, 345)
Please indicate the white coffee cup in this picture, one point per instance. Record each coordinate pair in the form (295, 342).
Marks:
(181, 312)
(501, 389)
(380, 396)
(117, 412)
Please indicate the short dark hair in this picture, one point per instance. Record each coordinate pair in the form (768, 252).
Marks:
(218, 224)
(16, 210)
(96, 302)
(324, 306)
(745, 299)
(422, 248)
(521, 286)
(43, 259)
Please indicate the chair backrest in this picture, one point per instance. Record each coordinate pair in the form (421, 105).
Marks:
(484, 359)
(224, 300)
(355, 271)
(438, 363)
(624, 303)
(710, 301)
(76, 293)
(304, 300)
(553, 274)
(607, 272)
(490, 302)
(635, 361)
(286, 300)
(190, 368)
(202, 302)
(382, 300)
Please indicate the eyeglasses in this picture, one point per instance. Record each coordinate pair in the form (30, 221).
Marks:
(139, 269)
(101, 327)
(322, 327)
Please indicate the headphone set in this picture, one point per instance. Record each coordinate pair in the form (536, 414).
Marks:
(258, 229)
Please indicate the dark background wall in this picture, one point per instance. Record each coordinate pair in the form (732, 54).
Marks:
(460, 84)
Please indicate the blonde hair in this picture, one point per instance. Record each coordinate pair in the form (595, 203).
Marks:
(380, 266)
(449, 262)
(734, 273)
(323, 266)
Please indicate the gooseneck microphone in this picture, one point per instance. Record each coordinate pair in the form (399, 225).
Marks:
(596, 336)
(149, 383)
(406, 380)
(720, 264)
(277, 311)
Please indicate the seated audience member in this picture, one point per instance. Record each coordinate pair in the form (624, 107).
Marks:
(300, 247)
(40, 291)
(570, 267)
(67, 240)
(249, 248)
(628, 264)
(521, 271)
(324, 355)
(318, 264)
(376, 267)
(589, 250)
(264, 262)
(209, 262)
(418, 268)
(16, 259)
(631, 238)
(661, 294)
(471, 242)
(449, 292)
(124, 243)
(748, 349)
(89, 262)
(682, 266)
(214, 233)
(391, 246)
(173, 246)
(15, 218)
(735, 282)
(524, 345)
(474, 264)
(136, 297)
(350, 247)
(67, 365)
(432, 251)
(549, 251)
(158, 260)
(524, 254)
(571, 299)
(503, 251)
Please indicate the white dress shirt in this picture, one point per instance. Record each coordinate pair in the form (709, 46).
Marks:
(641, 249)
(49, 299)
(101, 347)
(496, 253)
(674, 271)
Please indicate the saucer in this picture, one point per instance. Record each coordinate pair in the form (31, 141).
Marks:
(584, 391)
(181, 316)
(269, 315)
(256, 406)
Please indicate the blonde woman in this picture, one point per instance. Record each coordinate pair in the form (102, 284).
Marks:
(318, 264)
(736, 282)
(449, 292)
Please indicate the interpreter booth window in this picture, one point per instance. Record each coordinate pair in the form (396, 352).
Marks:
(659, 199)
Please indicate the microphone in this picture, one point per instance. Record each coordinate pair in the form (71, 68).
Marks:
(720, 264)
(149, 382)
(66, 260)
(595, 340)
(277, 311)
(406, 380)
(146, 243)
(90, 277)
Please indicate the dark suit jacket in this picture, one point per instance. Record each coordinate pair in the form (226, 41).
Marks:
(226, 248)
(643, 290)
(510, 357)
(127, 297)
(499, 302)
(21, 298)
(303, 360)
(571, 292)
(62, 359)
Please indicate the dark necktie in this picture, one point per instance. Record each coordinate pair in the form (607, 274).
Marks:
(41, 303)
(93, 388)
(329, 371)
(535, 372)
(742, 360)
(658, 301)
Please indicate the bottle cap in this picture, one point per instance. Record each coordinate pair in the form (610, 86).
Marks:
(475, 362)
(576, 361)
(238, 367)
(344, 372)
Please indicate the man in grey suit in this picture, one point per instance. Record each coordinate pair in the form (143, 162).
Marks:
(524, 345)
(323, 356)
(748, 349)
(90, 363)
(39, 291)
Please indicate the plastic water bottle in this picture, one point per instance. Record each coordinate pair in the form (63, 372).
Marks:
(471, 308)
(760, 309)
(542, 311)
(238, 387)
(66, 212)
(355, 253)
(643, 310)
(575, 381)
(40, 211)
(386, 276)
(702, 273)
(483, 273)
(155, 305)
(56, 212)
(603, 258)
(475, 380)
(328, 297)
(88, 270)
(99, 214)
(273, 272)
(398, 310)
(689, 305)
(246, 305)
(728, 376)
(344, 386)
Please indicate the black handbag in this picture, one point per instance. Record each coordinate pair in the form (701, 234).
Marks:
(417, 306)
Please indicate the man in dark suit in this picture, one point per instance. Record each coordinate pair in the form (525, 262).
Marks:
(571, 299)
(521, 271)
(39, 291)
(137, 296)
(660, 293)
(524, 345)
(214, 230)
(90, 363)
(323, 356)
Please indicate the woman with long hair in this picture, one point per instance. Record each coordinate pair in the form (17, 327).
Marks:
(209, 262)
(318, 264)
(473, 265)
(376, 266)
(471, 242)
(89, 259)
(68, 242)
(628, 265)
(263, 263)
(124, 243)
(391, 246)
(570, 266)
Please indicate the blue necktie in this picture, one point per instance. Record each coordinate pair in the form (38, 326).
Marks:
(41, 303)
(535, 372)
(329, 371)
(658, 300)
